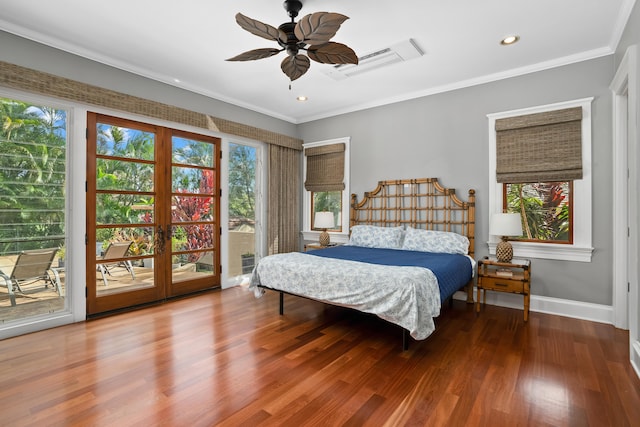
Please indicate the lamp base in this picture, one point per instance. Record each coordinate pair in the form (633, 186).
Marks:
(504, 251)
(324, 238)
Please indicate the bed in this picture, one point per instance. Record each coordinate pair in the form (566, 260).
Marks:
(410, 249)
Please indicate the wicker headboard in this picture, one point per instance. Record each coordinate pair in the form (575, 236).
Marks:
(419, 203)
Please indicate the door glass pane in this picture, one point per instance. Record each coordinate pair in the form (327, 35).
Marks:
(242, 210)
(117, 174)
(116, 141)
(190, 152)
(33, 140)
(121, 208)
(191, 208)
(125, 209)
(193, 215)
(192, 180)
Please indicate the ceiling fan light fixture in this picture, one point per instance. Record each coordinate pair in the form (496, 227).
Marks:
(311, 34)
(508, 40)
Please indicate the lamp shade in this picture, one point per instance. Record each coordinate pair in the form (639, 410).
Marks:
(324, 220)
(505, 224)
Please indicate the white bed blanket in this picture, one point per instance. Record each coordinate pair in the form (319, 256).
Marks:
(406, 296)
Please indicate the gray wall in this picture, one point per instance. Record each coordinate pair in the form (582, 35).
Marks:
(20, 51)
(446, 136)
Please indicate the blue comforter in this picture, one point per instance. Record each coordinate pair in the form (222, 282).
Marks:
(452, 271)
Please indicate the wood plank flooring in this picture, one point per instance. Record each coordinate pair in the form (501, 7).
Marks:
(226, 358)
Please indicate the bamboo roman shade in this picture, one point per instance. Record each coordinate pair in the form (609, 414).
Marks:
(541, 147)
(325, 168)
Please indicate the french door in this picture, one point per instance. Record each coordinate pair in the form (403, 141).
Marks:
(153, 213)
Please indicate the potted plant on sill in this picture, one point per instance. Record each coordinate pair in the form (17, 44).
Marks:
(62, 251)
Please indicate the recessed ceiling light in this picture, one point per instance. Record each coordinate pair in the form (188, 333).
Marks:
(509, 40)
(302, 98)
(176, 80)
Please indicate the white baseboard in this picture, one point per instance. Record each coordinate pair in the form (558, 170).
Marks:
(635, 357)
(579, 310)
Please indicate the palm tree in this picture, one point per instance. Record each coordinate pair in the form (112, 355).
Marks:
(32, 174)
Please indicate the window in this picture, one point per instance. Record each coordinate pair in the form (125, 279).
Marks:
(244, 209)
(326, 166)
(545, 209)
(547, 180)
(327, 201)
(33, 175)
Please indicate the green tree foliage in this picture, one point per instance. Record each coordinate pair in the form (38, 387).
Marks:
(121, 169)
(545, 207)
(32, 176)
(242, 181)
(116, 173)
(328, 201)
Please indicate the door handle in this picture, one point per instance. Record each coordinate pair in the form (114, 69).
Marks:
(159, 240)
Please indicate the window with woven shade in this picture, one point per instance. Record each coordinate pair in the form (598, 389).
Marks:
(540, 147)
(540, 158)
(326, 188)
(325, 168)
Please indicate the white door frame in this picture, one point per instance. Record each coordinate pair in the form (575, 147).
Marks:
(625, 201)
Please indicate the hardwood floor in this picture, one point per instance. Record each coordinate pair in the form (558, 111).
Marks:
(226, 358)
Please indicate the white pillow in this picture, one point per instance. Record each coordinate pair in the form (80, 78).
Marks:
(435, 241)
(370, 236)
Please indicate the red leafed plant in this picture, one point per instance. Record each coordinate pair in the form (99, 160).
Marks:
(192, 208)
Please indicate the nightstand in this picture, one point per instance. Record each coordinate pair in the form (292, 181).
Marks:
(513, 277)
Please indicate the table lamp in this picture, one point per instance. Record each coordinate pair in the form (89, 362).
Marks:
(505, 225)
(323, 221)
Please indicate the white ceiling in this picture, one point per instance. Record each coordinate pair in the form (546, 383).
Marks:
(189, 40)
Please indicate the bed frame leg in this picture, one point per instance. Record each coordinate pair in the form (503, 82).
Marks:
(405, 339)
(470, 292)
(281, 303)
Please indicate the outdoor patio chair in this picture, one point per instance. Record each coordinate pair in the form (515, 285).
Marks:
(115, 250)
(32, 266)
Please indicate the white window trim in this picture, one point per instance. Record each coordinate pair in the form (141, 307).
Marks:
(581, 249)
(336, 237)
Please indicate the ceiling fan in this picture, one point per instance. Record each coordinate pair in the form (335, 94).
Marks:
(311, 34)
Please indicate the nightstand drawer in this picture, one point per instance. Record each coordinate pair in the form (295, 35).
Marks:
(502, 284)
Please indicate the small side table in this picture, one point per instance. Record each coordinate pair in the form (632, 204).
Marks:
(513, 277)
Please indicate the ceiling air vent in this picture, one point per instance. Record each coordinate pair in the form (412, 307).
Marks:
(399, 52)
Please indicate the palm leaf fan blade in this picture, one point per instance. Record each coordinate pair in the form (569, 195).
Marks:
(295, 66)
(254, 54)
(333, 53)
(258, 28)
(318, 28)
